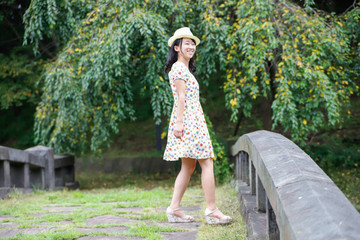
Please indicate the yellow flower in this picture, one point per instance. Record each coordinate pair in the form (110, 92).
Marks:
(233, 102)
(163, 135)
(304, 122)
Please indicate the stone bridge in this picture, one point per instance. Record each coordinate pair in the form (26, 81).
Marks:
(285, 195)
(35, 167)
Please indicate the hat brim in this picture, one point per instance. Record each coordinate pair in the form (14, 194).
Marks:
(173, 38)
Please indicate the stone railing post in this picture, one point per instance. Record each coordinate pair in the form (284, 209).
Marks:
(48, 156)
(260, 196)
(237, 168)
(252, 172)
(246, 168)
(272, 228)
(26, 175)
(7, 176)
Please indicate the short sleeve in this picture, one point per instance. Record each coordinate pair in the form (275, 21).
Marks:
(179, 71)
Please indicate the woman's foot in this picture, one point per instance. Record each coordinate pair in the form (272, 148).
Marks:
(216, 217)
(177, 216)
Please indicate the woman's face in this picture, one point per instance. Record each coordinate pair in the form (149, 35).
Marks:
(187, 48)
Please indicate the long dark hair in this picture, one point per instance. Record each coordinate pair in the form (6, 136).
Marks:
(173, 57)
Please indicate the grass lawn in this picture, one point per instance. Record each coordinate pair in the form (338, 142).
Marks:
(140, 199)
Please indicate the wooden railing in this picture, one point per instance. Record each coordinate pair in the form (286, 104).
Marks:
(35, 167)
(285, 195)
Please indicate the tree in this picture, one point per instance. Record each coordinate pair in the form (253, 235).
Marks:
(296, 58)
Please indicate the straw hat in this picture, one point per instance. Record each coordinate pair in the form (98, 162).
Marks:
(183, 32)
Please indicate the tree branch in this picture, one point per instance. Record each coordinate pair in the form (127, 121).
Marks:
(349, 8)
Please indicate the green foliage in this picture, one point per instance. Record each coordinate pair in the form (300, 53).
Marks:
(88, 89)
(351, 26)
(19, 94)
(54, 19)
(16, 126)
(335, 153)
(300, 59)
(222, 166)
(18, 77)
(297, 58)
(348, 180)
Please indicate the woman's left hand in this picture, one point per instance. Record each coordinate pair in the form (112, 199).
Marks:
(179, 130)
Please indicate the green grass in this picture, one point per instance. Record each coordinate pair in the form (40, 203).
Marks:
(143, 230)
(91, 180)
(149, 193)
(23, 206)
(227, 202)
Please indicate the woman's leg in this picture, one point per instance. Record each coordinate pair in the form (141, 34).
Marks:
(208, 184)
(187, 168)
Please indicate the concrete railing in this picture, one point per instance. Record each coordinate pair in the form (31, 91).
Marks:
(35, 167)
(285, 195)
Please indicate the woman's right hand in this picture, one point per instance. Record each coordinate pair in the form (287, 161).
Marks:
(179, 129)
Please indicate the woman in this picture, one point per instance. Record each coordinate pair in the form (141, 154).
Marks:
(188, 136)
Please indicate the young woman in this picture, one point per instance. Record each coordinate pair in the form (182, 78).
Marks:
(188, 136)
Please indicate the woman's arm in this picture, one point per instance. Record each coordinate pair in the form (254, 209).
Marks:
(179, 125)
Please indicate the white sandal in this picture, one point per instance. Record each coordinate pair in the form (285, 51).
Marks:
(175, 219)
(216, 220)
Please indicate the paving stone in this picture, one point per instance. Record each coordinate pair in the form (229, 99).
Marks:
(191, 208)
(190, 226)
(113, 203)
(61, 208)
(129, 209)
(48, 213)
(63, 223)
(8, 225)
(119, 229)
(110, 238)
(5, 217)
(13, 232)
(180, 235)
(108, 219)
(184, 208)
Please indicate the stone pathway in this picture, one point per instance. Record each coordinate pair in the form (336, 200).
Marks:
(119, 224)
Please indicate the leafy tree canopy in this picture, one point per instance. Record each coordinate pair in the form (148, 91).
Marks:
(19, 69)
(302, 60)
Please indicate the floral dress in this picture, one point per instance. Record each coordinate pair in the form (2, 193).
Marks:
(195, 142)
